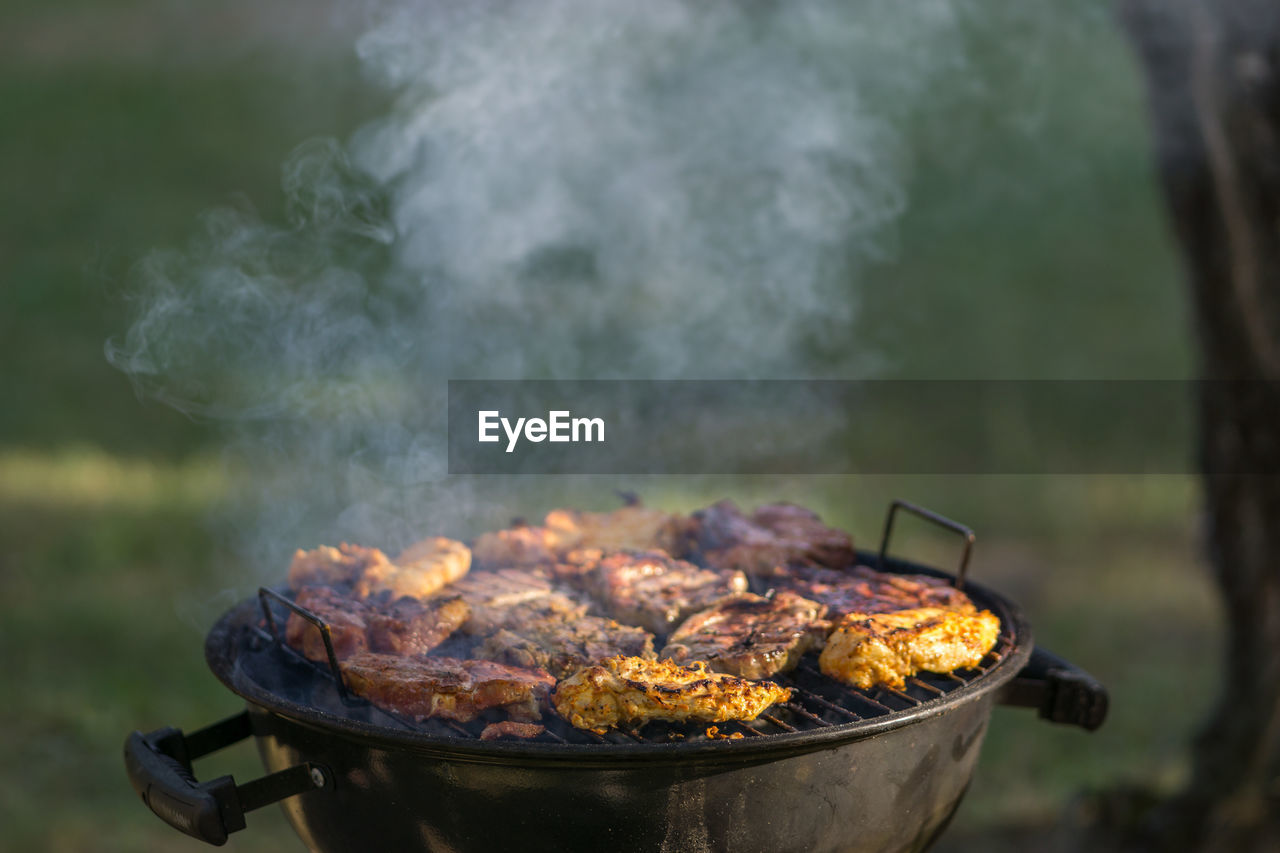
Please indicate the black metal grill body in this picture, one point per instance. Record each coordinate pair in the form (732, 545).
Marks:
(835, 769)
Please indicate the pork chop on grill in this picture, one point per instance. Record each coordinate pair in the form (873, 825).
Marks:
(419, 571)
(404, 627)
(337, 567)
(867, 649)
(459, 690)
(655, 591)
(499, 599)
(772, 537)
(562, 644)
(865, 590)
(633, 691)
(565, 530)
(749, 635)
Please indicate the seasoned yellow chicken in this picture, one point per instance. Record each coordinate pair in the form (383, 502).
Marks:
(632, 690)
(867, 649)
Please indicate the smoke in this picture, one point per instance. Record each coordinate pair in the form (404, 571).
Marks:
(565, 188)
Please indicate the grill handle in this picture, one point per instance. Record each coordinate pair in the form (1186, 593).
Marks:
(159, 768)
(928, 515)
(1061, 691)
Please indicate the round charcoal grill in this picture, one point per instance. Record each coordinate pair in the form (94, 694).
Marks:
(835, 768)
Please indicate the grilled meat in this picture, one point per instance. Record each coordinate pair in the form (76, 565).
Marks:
(749, 635)
(657, 592)
(512, 597)
(338, 567)
(420, 571)
(510, 728)
(565, 530)
(865, 590)
(404, 627)
(772, 537)
(633, 691)
(413, 627)
(562, 645)
(884, 648)
(347, 620)
(459, 690)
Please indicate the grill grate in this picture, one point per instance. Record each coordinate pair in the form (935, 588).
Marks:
(817, 701)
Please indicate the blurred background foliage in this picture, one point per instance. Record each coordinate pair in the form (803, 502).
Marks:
(1034, 247)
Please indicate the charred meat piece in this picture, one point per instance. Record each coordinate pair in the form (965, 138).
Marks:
(864, 590)
(347, 620)
(749, 635)
(867, 649)
(339, 567)
(459, 690)
(772, 537)
(412, 627)
(566, 530)
(404, 627)
(512, 597)
(633, 691)
(562, 645)
(420, 571)
(657, 592)
(510, 728)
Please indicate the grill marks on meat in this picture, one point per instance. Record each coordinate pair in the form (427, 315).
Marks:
(461, 690)
(565, 530)
(885, 648)
(627, 690)
(562, 646)
(865, 590)
(749, 635)
(657, 592)
(404, 627)
(772, 537)
(512, 597)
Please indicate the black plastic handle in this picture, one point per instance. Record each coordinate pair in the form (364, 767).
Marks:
(159, 768)
(1060, 690)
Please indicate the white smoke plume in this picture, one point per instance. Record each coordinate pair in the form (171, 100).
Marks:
(565, 188)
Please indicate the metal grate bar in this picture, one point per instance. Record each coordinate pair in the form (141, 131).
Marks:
(814, 698)
(786, 727)
(811, 717)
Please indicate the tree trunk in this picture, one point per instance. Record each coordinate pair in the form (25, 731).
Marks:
(1213, 71)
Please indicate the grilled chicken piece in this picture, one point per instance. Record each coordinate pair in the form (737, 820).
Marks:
(512, 597)
(404, 627)
(340, 567)
(633, 691)
(347, 620)
(657, 592)
(772, 537)
(749, 635)
(562, 645)
(459, 690)
(884, 648)
(565, 530)
(420, 571)
(865, 590)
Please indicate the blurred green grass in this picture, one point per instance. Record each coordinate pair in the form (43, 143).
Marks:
(1034, 247)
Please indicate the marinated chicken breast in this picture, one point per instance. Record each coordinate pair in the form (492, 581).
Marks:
(459, 690)
(657, 592)
(865, 590)
(420, 571)
(772, 537)
(633, 691)
(749, 635)
(562, 645)
(404, 627)
(867, 649)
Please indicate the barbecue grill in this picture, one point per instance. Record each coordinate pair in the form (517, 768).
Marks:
(834, 768)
